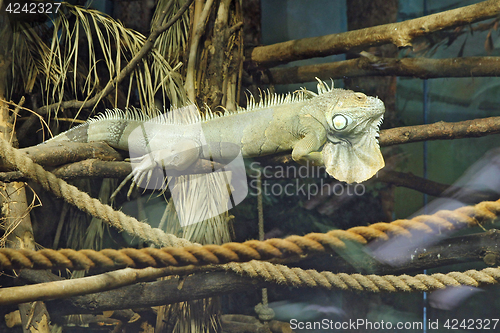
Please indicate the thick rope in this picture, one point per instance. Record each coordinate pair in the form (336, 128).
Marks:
(249, 250)
(85, 259)
(442, 220)
(297, 277)
(83, 201)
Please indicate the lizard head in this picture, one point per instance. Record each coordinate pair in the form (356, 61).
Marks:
(352, 153)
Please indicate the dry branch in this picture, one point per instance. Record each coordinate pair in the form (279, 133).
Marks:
(156, 293)
(86, 285)
(413, 259)
(193, 51)
(400, 34)
(440, 131)
(422, 68)
(59, 154)
(93, 168)
(433, 188)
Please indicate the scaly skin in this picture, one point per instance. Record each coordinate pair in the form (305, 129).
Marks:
(343, 122)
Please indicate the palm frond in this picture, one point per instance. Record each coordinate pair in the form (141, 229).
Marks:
(26, 43)
(173, 42)
(82, 47)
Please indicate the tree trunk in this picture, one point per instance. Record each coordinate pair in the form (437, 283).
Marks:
(15, 215)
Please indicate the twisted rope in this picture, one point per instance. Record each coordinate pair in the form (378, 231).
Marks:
(297, 277)
(242, 252)
(468, 215)
(294, 277)
(166, 256)
(213, 254)
(83, 201)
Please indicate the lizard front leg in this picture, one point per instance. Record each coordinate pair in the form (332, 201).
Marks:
(313, 137)
(175, 156)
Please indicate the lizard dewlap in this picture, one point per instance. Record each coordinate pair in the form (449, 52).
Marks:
(337, 128)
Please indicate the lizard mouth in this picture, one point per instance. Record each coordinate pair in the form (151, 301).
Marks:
(336, 139)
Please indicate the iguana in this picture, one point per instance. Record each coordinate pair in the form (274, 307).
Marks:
(343, 123)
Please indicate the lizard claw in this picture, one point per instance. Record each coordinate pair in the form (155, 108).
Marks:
(150, 166)
(125, 181)
(142, 167)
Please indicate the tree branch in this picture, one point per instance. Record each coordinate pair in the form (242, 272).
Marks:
(400, 34)
(193, 51)
(69, 152)
(63, 288)
(195, 286)
(455, 250)
(371, 65)
(433, 188)
(92, 160)
(93, 168)
(437, 131)
(440, 131)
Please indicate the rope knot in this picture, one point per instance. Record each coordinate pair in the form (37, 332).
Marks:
(264, 312)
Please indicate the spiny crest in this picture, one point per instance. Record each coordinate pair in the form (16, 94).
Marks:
(131, 114)
(190, 114)
(179, 116)
(269, 99)
(323, 87)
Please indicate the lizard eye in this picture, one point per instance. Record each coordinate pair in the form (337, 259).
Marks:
(340, 122)
(360, 96)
